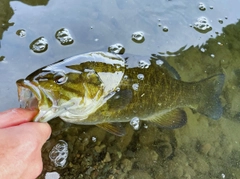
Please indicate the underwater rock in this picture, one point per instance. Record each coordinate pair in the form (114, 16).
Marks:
(148, 136)
(139, 174)
(146, 158)
(205, 148)
(126, 165)
(125, 140)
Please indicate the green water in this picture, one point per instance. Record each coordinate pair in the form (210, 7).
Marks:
(201, 149)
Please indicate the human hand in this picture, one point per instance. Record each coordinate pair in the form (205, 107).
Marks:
(20, 144)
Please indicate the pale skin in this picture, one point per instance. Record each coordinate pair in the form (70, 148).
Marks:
(20, 144)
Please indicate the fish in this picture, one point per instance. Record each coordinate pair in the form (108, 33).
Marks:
(105, 89)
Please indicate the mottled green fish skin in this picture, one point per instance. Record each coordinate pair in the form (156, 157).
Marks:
(151, 92)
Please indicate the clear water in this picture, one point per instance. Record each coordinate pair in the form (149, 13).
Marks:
(175, 30)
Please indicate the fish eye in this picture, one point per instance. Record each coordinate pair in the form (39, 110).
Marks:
(60, 78)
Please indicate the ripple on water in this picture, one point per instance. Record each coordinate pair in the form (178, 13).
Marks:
(116, 48)
(64, 37)
(21, 33)
(39, 45)
(202, 25)
(138, 37)
(59, 153)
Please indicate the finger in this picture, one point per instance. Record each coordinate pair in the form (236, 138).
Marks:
(40, 131)
(16, 116)
(45, 131)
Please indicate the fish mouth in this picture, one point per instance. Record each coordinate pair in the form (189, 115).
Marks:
(28, 94)
(31, 96)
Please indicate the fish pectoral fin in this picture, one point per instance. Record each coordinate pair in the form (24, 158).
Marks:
(120, 99)
(172, 119)
(114, 128)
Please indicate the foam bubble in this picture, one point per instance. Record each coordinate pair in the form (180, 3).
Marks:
(135, 86)
(64, 37)
(21, 33)
(52, 175)
(138, 37)
(116, 48)
(59, 153)
(39, 45)
(135, 123)
(140, 76)
(201, 6)
(202, 25)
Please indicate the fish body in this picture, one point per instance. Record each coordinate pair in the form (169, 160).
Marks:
(101, 88)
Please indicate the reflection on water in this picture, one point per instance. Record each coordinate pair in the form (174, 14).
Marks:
(201, 149)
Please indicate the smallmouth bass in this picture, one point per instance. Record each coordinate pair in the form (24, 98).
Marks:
(102, 88)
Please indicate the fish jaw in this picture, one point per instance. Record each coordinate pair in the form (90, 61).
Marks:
(31, 97)
(28, 94)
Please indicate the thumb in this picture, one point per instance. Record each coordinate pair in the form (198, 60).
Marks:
(43, 130)
(16, 116)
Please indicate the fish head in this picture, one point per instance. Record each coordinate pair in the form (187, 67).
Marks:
(70, 91)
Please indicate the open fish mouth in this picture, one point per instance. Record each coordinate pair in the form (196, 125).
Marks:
(31, 97)
(28, 94)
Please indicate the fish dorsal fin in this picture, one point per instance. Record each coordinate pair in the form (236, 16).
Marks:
(114, 128)
(172, 119)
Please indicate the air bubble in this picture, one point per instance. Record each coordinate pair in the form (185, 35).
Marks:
(39, 45)
(59, 153)
(21, 33)
(202, 25)
(138, 37)
(94, 139)
(220, 21)
(203, 49)
(64, 37)
(116, 48)
(118, 89)
(125, 77)
(159, 62)
(201, 6)
(143, 64)
(145, 126)
(140, 76)
(135, 86)
(165, 29)
(52, 175)
(135, 123)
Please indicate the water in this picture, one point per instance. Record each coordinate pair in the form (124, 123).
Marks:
(201, 149)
